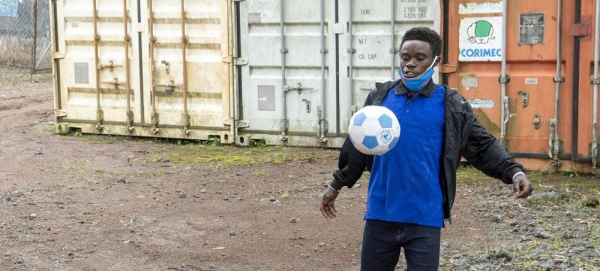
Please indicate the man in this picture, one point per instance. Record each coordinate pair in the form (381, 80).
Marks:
(412, 187)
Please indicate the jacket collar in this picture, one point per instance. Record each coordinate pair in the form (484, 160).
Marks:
(427, 91)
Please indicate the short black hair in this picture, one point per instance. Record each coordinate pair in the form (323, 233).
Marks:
(427, 35)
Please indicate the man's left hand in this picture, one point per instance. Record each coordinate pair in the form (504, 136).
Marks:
(522, 187)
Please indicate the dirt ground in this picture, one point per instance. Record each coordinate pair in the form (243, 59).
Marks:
(87, 202)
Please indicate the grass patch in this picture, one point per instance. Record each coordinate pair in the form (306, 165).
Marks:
(43, 128)
(232, 156)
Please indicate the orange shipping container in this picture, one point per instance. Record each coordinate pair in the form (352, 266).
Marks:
(527, 68)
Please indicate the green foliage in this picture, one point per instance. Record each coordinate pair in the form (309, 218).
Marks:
(226, 156)
(212, 141)
(258, 143)
(77, 133)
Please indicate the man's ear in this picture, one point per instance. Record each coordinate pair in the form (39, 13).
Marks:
(437, 61)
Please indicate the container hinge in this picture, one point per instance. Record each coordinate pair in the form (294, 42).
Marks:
(558, 79)
(339, 28)
(237, 61)
(240, 61)
(595, 81)
(58, 55)
(139, 27)
(579, 30)
(242, 124)
(505, 79)
(448, 68)
(228, 122)
(60, 113)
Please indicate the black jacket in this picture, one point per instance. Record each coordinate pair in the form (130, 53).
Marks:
(464, 137)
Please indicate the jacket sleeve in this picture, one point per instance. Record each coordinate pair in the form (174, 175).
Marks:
(352, 163)
(485, 153)
(351, 166)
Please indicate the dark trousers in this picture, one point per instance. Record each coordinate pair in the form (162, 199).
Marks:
(382, 242)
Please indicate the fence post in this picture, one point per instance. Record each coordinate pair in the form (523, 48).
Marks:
(34, 45)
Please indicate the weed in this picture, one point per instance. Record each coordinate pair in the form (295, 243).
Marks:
(254, 189)
(284, 194)
(258, 143)
(212, 141)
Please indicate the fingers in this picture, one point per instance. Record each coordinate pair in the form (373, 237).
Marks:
(522, 189)
(327, 207)
(328, 210)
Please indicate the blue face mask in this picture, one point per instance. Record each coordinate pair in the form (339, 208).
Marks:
(419, 82)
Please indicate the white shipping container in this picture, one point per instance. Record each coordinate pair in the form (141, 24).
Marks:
(167, 68)
(171, 58)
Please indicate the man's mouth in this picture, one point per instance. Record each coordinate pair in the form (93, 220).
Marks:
(410, 74)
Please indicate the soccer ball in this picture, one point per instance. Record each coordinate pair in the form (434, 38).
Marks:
(374, 130)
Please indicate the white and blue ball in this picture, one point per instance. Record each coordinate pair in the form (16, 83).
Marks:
(374, 130)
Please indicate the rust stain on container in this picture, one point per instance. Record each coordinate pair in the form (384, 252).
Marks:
(486, 122)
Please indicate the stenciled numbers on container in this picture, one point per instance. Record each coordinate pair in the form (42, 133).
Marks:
(374, 34)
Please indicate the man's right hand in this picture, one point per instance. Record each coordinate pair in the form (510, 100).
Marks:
(327, 203)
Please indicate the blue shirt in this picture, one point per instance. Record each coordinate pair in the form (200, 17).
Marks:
(404, 185)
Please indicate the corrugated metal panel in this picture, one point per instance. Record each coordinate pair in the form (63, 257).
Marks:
(285, 97)
(521, 120)
(179, 55)
(544, 115)
(530, 101)
(282, 83)
(584, 145)
(92, 53)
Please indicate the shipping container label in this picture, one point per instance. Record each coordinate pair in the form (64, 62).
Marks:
(470, 82)
(531, 81)
(478, 103)
(480, 39)
(8, 8)
(479, 8)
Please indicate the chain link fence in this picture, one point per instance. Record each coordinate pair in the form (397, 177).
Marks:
(24, 39)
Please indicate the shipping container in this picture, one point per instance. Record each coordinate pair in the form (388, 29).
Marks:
(157, 68)
(527, 69)
(292, 72)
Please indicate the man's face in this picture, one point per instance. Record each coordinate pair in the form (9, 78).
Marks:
(415, 57)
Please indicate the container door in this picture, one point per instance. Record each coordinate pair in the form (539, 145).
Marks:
(525, 119)
(585, 146)
(310, 64)
(96, 82)
(187, 69)
(287, 96)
